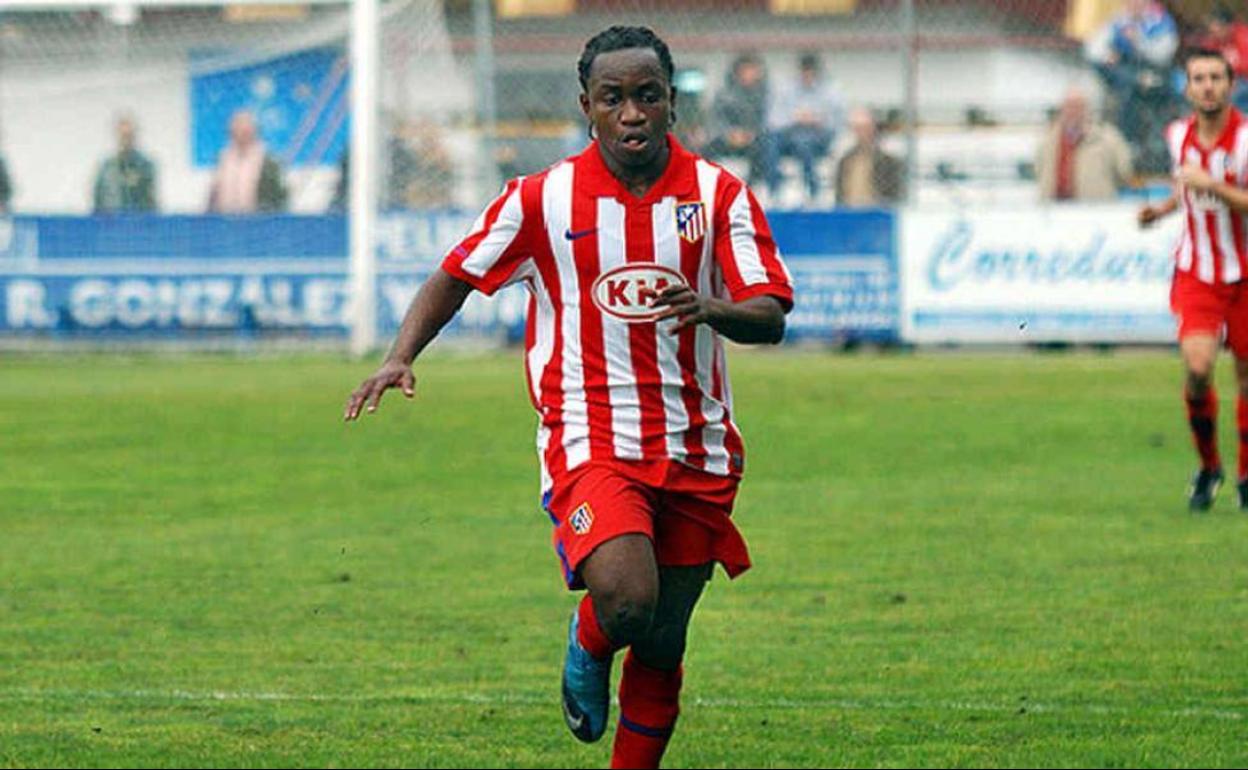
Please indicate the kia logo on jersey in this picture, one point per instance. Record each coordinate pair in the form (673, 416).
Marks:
(628, 292)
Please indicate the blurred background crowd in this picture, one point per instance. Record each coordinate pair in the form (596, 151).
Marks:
(240, 109)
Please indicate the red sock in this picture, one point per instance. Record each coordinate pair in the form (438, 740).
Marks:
(590, 634)
(1241, 419)
(1202, 415)
(649, 705)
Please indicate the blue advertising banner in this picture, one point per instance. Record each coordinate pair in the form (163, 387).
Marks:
(182, 277)
(299, 102)
(844, 265)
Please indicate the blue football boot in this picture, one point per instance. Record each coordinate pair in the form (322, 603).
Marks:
(586, 689)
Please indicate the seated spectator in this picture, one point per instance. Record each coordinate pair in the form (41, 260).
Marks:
(1080, 158)
(739, 115)
(248, 179)
(866, 175)
(802, 122)
(1224, 33)
(126, 181)
(1134, 54)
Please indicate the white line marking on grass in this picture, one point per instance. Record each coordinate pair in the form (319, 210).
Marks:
(527, 699)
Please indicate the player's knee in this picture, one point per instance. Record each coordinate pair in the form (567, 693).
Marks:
(627, 612)
(1199, 375)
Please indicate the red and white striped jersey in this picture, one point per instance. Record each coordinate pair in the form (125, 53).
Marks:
(1212, 248)
(607, 380)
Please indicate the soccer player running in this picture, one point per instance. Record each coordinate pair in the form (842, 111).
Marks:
(1209, 151)
(638, 256)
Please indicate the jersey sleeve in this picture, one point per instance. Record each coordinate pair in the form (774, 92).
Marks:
(491, 255)
(1239, 158)
(745, 251)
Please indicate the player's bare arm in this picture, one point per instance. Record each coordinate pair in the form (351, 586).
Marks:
(755, 320)
(437, 302)
(1196, 178)
(1152, 213)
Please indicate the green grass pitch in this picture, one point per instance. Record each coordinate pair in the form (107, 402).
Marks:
(968, 560)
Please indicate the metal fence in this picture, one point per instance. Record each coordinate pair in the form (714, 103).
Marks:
(156, 121)
(959, 94)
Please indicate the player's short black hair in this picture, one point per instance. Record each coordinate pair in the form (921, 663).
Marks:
(1208, 53)
(619, 38)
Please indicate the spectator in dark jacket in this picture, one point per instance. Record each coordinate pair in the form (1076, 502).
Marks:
(866, 175)
(739, 114)
(126, 181)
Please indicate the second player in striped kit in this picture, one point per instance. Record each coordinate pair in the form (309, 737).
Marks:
(1209, 294)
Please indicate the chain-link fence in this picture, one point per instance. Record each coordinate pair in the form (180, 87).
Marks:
(159, 127)
(819, 102)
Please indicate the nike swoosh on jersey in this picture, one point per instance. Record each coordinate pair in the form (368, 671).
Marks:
(572, 236)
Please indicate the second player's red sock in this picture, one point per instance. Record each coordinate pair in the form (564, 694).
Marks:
(1241, 420)
(649, 705)
(1202, 416)
(590, 634)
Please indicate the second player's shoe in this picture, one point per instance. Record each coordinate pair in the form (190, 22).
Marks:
(586, 689)
(1242, 488)
(1205, 485)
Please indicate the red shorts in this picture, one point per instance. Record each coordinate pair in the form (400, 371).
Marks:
(685, 513)
(1203, 308)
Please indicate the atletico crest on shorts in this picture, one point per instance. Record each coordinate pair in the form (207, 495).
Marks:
(582, 519)
(691, 220)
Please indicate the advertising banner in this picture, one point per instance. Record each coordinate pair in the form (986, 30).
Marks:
(1036, 274)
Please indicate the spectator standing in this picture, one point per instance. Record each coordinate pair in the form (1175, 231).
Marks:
(248, 180)
(866, 175)
(126, 181)
(1081, 158)
(739, 115)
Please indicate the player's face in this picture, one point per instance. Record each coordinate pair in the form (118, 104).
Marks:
(1208, 86)
(629, 102)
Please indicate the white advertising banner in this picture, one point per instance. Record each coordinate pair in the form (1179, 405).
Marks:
(1068, 273)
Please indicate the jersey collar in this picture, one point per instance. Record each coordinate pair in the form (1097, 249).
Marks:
(679, 179)
(1225, 140)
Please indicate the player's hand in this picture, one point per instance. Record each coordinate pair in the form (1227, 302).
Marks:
(392, 374)
(686, 304)
(1149, 215)
(1194, 177)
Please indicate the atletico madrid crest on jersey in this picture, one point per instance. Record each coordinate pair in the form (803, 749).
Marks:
(691, 220)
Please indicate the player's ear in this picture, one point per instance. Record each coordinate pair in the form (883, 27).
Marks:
(589, 119)
(672, 100)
